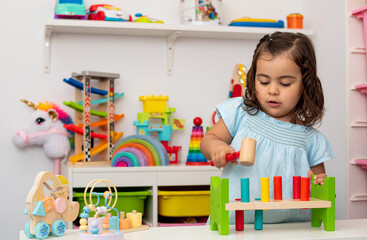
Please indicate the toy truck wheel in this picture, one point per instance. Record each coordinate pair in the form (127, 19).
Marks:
(58, 228)
(100, 16)
(27, 231)
(42, 230)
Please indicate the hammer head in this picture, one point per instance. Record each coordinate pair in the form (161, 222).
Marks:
(247, 152)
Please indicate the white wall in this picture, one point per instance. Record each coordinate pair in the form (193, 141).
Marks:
(201, 75)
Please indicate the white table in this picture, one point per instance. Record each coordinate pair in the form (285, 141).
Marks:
(345, 229)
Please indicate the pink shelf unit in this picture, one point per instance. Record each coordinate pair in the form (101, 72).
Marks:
(361, 87)
(361, 13)
(362, 163)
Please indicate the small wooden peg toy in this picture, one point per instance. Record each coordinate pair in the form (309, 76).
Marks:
(135, 218)
(125, 223)
(246, 155)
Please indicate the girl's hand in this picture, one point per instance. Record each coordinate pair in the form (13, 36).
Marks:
(318, 179)
(218, 156)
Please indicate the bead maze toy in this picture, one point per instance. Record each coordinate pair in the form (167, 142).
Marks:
(104, 99)
(195, 157)
(246, 154)
(322, 202)
(45, 127)
(139, 150)
(108, 226)
(48, 206)
(155, 107)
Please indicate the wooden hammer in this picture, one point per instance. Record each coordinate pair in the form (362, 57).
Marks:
(246, 154)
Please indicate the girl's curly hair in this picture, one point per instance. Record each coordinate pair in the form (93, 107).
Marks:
(310, 108)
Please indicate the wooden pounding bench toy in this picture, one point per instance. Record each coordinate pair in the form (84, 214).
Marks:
(246, 155)
(322, 202)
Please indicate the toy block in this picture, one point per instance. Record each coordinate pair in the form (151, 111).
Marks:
(296, 187)
(265, 190)
(245, 190)
(39, 209)
(278, 195)
(219, 196)
(259, 215)
(324, 215)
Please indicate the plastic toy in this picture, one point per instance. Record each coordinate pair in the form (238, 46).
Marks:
(83, 128)
(156, 108)
(145, 19)
(70, 9)
(295, 20)
(106, 12)
(255, 22)
(48, 206)
(322, 203)
(246, 155)
(237, 84)
(108, 226)
(45, 127)
(195, 157)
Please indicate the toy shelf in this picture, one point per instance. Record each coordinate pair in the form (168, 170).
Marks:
(171, 32)
(147, 178)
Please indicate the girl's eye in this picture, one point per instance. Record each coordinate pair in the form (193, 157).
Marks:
(264, 83)
(285, 84)
(39, 121)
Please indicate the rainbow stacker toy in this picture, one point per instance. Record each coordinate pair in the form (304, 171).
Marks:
(83, 106)
(322, 202)
(195, 157)
(155, 107)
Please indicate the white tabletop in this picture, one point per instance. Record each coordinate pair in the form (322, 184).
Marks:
(345, 229)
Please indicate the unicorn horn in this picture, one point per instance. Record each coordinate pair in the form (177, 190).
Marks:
(29, 104)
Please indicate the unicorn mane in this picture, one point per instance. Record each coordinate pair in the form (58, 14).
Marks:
(62, 115)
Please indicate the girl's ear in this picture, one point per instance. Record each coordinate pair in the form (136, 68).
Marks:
(53, 114)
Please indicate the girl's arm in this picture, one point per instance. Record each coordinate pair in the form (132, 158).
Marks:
(319, 172)
(215, 144)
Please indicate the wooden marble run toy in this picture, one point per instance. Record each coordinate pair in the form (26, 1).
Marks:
(139, 150)
(85, 135)
(195, 157)
(155, 107)
(48, 206)
(108, 226)
(322, 202)
(246, 154)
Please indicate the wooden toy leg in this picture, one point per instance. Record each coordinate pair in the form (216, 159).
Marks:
(258, 219)
(325, 215)
(219, 196)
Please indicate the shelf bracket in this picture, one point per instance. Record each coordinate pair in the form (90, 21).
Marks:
(170, 46)
(46, 49)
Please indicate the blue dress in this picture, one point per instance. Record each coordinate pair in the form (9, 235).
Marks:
(283, 149)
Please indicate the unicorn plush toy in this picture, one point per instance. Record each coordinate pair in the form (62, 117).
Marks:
(45, 127)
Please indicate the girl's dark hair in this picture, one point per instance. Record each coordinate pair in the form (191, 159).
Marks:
(310, 108)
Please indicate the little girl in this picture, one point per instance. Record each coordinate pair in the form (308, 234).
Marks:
(282, 101)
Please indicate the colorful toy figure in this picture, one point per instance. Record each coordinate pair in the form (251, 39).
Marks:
(70, 9)
(45, 127)
(48, 206)
(106, 12)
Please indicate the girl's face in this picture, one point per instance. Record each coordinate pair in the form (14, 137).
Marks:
(278, 85)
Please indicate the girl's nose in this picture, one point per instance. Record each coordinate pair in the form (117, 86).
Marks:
(273, 89)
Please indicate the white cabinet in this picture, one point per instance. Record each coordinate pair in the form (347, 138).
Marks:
(148, 178)
(357, 113)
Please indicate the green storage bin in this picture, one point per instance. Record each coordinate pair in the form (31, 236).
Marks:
(126, 201)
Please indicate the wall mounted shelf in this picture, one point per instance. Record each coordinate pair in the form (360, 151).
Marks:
(170, 32)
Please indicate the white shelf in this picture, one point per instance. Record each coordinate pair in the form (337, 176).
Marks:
(171, 32)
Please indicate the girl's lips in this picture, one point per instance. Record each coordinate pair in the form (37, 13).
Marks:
(273, 104)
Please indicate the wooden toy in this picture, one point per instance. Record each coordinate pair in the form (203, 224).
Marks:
(195, 157)
(48, 206)
(45, 127)
(108, 226)
(246, 155)
(237, 85)
(155, 107)
(322, 204)
(85, 153)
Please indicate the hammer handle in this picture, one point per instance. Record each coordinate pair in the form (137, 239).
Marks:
(229, 157)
